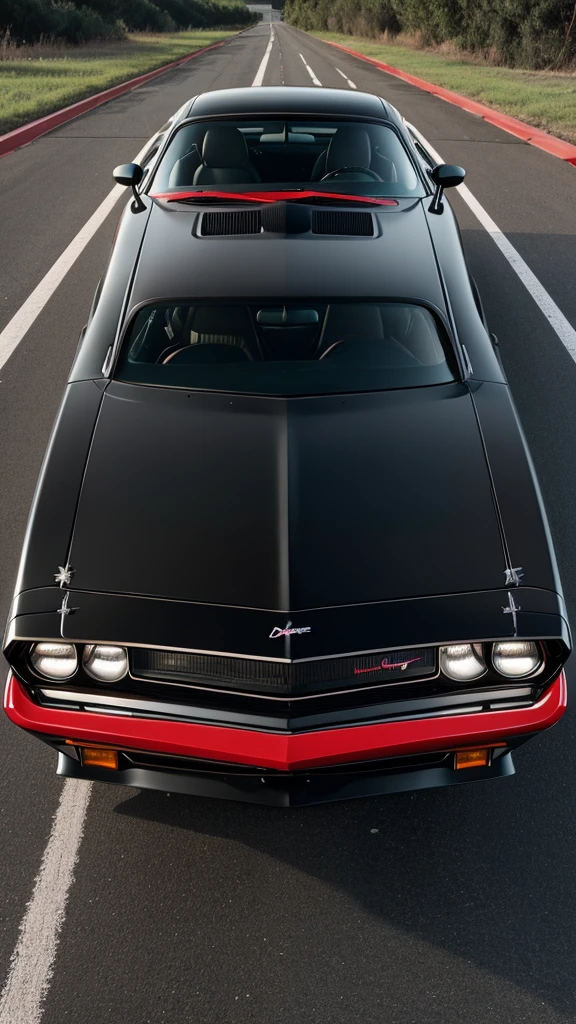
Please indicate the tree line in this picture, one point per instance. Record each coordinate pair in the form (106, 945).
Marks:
(79, 21)
(519, 33)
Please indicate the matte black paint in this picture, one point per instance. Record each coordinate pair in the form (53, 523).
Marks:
(367, 627)
(285, 100)
(519, 499)
(397, 262)
(286, 504)
(52, 516)
(108, 315)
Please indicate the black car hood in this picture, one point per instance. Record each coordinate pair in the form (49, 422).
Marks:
(286, 504)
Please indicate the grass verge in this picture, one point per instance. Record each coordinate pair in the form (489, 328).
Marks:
(32, 86)
(544, 99)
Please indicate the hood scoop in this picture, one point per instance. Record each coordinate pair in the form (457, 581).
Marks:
(231, 222)
(342, 222)
(287, 219)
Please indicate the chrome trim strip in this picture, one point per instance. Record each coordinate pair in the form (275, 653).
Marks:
(117, 705)
(158, 647)
(285, 661)
(437, 643)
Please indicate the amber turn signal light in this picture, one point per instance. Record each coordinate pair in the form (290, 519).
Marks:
(99, 758)
(472, 758)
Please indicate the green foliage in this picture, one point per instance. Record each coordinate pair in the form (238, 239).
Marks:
(519, 33)
(363, 17)
(77, 21)
(30, 20)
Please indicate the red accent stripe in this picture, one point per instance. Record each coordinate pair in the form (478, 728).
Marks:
(28, 132)
(535, 136)
(270, 197)
(300, 750)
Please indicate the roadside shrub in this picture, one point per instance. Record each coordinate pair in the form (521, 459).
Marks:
(80, 24)
(28, 21)
(142, 16)
(528, 33)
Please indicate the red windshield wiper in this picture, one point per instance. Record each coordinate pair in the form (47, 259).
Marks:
(267, 197)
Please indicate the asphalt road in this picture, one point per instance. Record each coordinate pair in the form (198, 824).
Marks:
(436, 907)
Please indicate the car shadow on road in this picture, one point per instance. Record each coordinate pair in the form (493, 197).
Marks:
(483, 871)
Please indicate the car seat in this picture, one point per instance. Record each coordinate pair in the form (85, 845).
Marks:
(225, 158)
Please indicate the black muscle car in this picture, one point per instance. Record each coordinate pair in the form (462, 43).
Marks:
(287, 544)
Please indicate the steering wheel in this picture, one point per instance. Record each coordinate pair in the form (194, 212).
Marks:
(340, 170)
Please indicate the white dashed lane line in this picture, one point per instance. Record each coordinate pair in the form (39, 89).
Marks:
(554, 315)
(351, 84)
(310, 72)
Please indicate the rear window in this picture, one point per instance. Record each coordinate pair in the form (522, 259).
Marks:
(292, 348)
(355, 157)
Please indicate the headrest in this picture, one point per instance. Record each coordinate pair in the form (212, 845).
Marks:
(349, 147)
(224, 146)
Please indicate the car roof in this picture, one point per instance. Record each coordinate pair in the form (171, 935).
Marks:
(398, 261)
(284, 100)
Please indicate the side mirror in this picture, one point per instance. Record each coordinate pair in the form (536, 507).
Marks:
(444, 176)
(130, 174)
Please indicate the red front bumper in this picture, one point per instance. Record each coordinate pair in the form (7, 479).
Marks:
(287, 752)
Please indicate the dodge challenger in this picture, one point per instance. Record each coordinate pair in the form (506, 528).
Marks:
(287, 544)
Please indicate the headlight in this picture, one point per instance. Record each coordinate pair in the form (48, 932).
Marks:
(516, 658)
(105, 663)
(462, 662)
(55, 661)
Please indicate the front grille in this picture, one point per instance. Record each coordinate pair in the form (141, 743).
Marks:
(285, 679)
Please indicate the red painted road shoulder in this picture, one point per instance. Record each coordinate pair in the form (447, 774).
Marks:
(28, 132)
(535, 136)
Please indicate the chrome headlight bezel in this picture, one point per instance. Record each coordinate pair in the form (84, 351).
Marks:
(112, 660)
(496, 656)
(451, 656)
(42, 652)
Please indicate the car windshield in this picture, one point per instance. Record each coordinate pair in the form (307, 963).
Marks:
(286, 348)
(352, 157)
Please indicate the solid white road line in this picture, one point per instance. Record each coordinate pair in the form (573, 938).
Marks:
(555, 317)
(33, 959)
(22, 321)
(264, 62)
(310, 72)
(351, 84)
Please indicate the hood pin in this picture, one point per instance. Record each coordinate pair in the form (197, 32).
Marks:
(64, 575)
(511, 609)
(514, 577)
(64, 609)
